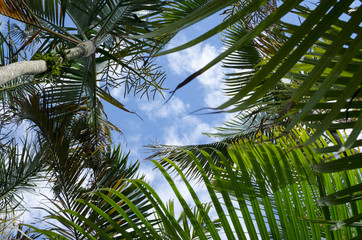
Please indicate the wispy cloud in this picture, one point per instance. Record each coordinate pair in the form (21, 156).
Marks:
(157, 109)
(118, 93)
(35, 200)
(187, 130)
(178, 127)
(192, 59)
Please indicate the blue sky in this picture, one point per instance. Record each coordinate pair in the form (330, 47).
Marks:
(172, 123)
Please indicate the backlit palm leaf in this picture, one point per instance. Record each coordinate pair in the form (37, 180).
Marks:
(185, 223)
(318, 74)
(320, 56)
(17, 10)
(268, 190)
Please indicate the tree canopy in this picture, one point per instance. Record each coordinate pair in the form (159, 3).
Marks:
(288, 166)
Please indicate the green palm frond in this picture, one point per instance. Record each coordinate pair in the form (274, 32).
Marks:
(244, 126)
(187, 12)
(185, 223)
(309, 68)
(53, 10)
(106, 214)
(20, 169)
(260, 191)
(267, 41)
(182, 158)
(313, 78)
(78, 160)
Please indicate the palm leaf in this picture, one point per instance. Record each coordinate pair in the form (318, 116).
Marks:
(317, 64)
(271, 185)
(183, 220)
(19, 171)
(77, 165)
(18, 10)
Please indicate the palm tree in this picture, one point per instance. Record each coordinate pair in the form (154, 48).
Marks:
(62, 96)
(304, 184)
(69, 159)
(309, 77)
(84, 49)
(267, 190)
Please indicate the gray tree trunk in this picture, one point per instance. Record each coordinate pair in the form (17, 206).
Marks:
(18, 69)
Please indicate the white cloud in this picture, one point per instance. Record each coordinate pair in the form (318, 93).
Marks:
(33, 201)
(150, 173)
(186, 131)
(193, 59)
(215, 98)
(157, 109)
(118, 93)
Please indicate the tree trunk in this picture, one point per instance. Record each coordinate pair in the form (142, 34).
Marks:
(18, 69)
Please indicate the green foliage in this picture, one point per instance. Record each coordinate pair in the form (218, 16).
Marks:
(20, 169)
(304, 77)
(186, 224)
(308, 68)
(77, 161)
(261, 190)
(55, 61)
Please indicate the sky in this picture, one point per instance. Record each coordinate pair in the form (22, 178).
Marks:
(172, 123)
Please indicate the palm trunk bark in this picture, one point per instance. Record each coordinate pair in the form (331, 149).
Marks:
(18, 69)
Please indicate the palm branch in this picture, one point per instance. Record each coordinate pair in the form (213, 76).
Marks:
(20, 170)
(78, 160)
(267, 190)
(320, 57)
(185, 223)
(109, 36)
